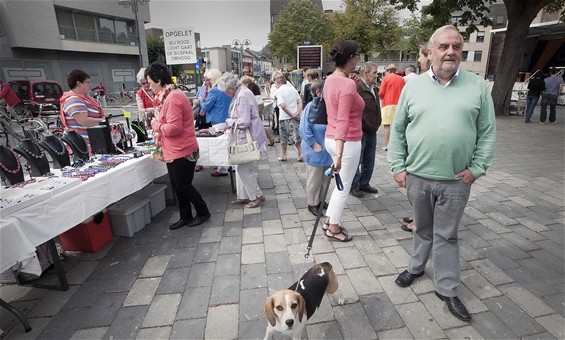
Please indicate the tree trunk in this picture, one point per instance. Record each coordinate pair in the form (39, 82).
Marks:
(520, 15)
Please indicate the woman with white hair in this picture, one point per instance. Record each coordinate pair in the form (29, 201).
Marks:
(144, 98)
(216, 105)
(243, 115)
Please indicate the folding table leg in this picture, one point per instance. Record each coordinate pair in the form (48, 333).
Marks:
(17, 313)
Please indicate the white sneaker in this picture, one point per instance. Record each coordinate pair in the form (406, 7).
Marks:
(553, 122)
(542, 123)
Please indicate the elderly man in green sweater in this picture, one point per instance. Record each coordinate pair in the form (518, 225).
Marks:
(442, 140)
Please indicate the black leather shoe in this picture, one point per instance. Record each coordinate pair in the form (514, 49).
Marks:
(456, 307)
(405, 279)
(405, 227)
(369, 189)
(198, 220)
(179, 224)
(356, 193)
(313, 209)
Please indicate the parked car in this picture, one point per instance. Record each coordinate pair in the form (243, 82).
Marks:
(35, 94)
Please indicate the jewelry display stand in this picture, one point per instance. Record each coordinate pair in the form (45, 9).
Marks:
(10, 166)
(77, 145)
(57, 150)
(34, 157)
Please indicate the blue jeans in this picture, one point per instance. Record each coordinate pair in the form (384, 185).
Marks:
(550, 99)
(531, 102)
(367, 161)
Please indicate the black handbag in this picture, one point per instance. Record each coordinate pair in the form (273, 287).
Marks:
(318, 114)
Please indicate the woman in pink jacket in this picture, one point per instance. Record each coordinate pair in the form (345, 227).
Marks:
(173, 127)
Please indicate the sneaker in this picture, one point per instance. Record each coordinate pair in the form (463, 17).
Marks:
(197, 168)
(542, 123)
(553, 122)
(218, 174)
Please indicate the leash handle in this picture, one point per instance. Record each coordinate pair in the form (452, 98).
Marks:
(338, 182)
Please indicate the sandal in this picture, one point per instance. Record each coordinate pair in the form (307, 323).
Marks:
(326, 226)
(240, 201)
(407, 219)
(332, 236)
(255, 203)
(282, 158)
(300, 159)
(271, 143)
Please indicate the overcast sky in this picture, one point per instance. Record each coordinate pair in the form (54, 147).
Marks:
(219, 22)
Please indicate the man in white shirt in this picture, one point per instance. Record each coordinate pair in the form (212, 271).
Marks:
(290, 107)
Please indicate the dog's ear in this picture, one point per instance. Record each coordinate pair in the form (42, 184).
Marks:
(301, 307)
(270, 311)
(332, 282)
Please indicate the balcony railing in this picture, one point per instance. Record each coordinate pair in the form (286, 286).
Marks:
(107, 37)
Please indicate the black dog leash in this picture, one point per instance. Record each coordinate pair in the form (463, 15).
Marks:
(339, 184)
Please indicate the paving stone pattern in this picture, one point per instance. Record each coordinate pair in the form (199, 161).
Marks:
(211, 281)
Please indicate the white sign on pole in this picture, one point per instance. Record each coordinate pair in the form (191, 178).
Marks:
(180, 45)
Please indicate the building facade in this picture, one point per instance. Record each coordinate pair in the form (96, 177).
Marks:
(48, 38)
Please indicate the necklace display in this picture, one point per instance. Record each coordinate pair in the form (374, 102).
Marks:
(52, 148)
(18, 164)
(30, 153)
(84, 152)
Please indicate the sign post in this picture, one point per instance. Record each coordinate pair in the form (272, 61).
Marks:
(180, 45)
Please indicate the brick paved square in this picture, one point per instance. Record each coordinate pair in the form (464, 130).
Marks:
(222, 322)
(419, 321)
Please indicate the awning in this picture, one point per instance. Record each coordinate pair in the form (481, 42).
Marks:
(542, 31)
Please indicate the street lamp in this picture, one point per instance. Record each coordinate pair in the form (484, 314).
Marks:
(135, 8)
(236, 43)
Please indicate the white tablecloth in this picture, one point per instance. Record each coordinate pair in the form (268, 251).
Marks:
(213, 151)
(41, 222)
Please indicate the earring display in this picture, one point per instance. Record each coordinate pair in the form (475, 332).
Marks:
(12, 200)
(57, 150)
(10, 165)
(34, 157)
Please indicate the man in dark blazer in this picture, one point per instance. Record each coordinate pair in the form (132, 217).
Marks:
(371, 123)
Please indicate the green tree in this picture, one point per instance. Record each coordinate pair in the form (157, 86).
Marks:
(299, 21)
(373, 24)
(417, 31)
(156, 48)
(520, 15)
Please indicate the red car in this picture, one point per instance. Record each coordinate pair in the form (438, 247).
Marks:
(33, 93)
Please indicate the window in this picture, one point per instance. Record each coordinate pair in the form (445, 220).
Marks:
(500, 19)
(87, 27)
(478, 56)
(464, 55)
(480, 36)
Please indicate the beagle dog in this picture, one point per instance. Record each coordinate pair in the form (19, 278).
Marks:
(288, 310)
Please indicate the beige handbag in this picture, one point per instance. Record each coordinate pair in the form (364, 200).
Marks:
(242, 153)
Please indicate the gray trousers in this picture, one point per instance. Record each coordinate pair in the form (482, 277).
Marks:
(438, 208)
(246, 181)
(314, 181)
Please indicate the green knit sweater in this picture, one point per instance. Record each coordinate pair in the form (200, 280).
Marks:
(439, 130)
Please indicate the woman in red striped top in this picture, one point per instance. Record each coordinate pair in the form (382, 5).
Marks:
(80, 111)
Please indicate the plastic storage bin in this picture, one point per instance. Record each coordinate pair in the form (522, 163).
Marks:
(170, 198)
(156, 195)
(88, 236)
(129, 215)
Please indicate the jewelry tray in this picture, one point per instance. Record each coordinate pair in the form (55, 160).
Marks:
(14, 199)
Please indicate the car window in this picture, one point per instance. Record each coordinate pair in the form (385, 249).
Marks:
(46, 89)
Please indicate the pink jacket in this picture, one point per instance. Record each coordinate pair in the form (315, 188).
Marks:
(175, 125)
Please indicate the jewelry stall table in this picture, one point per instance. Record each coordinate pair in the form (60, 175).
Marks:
(23, 230)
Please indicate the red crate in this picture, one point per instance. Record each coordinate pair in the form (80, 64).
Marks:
(87, 237)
